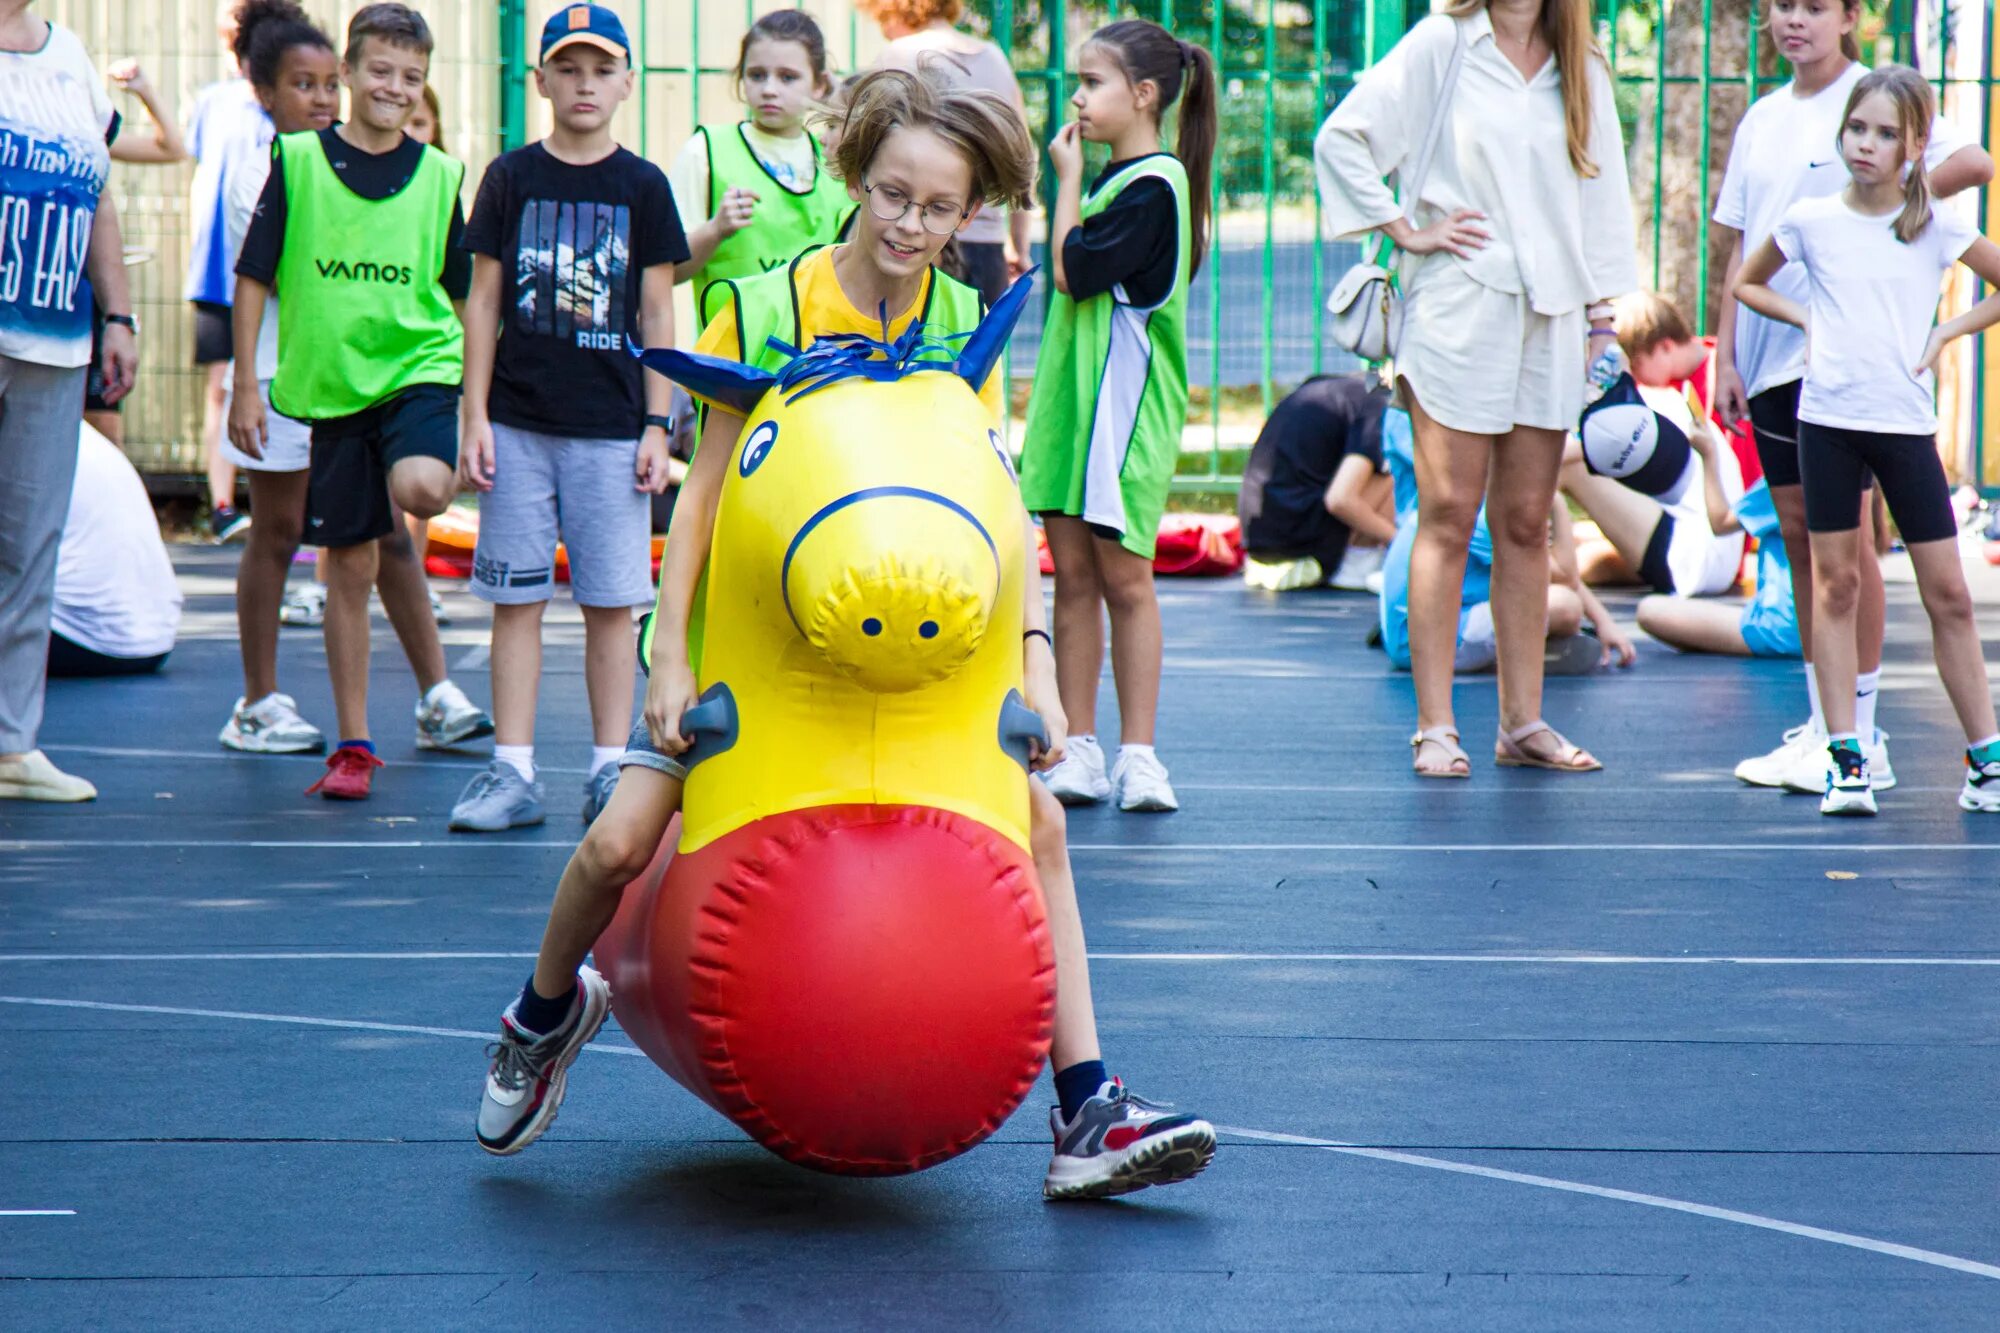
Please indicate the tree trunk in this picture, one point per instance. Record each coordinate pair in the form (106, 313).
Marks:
(1687, 196)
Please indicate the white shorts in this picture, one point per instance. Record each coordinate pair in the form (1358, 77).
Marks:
(1703, 565)
(289, 446)
(1481, 361)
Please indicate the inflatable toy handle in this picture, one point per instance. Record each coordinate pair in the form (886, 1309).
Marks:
(1021, 729)
(710, 725)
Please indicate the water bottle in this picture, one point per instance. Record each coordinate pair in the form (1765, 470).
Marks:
(1603, 372)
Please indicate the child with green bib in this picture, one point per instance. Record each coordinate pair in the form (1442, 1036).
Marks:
(919, 159)
(755, 193)
(1111, 389)
(360, 232)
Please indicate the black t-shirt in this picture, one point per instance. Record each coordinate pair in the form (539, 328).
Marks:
(573, 244)
(1283, 500)
(1134, 241)
(370, 175)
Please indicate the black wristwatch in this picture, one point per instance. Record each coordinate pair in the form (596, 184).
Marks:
(664, 423)
(129, 321)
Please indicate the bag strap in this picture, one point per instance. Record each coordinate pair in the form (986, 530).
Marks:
(1420, 169)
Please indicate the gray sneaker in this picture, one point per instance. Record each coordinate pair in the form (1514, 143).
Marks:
(447, 718)
(597, 789)
(529, 1074)
(1119, 1143)
(497, 799)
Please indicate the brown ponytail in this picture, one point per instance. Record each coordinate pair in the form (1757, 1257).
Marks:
(1915, 109)
(1184, 71)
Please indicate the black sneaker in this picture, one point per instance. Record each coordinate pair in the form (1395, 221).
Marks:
(1848, 789)
(228, 525)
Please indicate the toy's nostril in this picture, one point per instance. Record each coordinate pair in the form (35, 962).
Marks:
(929, 629)
(871, 626)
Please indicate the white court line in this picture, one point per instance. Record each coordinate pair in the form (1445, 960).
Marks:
(1808, 842)
(468, 763)
(1890, 1248)
(37, 1212)
(1115, 956)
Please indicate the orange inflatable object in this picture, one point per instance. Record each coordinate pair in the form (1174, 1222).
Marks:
(454, 535)
(810, 977)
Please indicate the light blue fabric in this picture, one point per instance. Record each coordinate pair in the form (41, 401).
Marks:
(1399, 452)
(1770, 623)
(225, 115)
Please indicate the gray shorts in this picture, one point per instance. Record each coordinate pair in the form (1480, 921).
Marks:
(545, 486)
(640, 752)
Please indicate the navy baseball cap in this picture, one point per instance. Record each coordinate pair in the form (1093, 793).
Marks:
(1625, 438)
(592, 25)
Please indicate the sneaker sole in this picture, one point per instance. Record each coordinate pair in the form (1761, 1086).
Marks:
(1979, 805)
(1847, 807)
(467, 826)
(538, 1124)
(245, 745)
(1171, 1158)
(1149, 807)
(35, 791)
(1071, 796)
(472, 733)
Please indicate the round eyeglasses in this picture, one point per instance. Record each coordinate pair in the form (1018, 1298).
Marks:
(940, 217)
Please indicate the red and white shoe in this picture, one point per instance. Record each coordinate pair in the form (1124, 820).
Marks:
(1119, 1143)
(349, 771)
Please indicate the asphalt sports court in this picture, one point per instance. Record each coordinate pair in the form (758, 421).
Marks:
(1645, 1049)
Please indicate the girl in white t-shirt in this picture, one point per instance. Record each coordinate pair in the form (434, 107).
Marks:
(1782, 152)
(1873, 257)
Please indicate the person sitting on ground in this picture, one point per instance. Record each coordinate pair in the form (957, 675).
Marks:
(117, 606)
(1667, 545)
(1571, 603)
(1316, 504)
(1767, 625)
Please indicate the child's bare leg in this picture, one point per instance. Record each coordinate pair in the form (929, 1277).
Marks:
(620, 843)
(1075, 1038)
(1961, 662)
(610, 664)
(1836, 560)
(1079, 620)
(1136, 638)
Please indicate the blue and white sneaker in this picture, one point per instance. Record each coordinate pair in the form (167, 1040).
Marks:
(1981, 792)
(1848, 789)
(1119, 1143)
(529, 1074)
(445, 717)
(597, 789)
(498, 798)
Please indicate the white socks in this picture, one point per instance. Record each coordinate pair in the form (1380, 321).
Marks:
(1812, 697)
(600, 755)
(520, 757)
(1866, 686)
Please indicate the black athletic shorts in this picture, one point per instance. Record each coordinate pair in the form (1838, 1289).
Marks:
(347, 494)
(213, 340)
(1774, 421)
(1654, 569)
(1835, 459)
(984, 268)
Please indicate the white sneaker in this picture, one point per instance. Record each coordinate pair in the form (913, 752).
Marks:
(1848, 790)
(1282, 575)
(445, 717)
(1769, 770)
(1141, 781)
(1079, 779)
(33, 778)
(306, 607)
(1356, 564)
(272, 725)
(1879, 772)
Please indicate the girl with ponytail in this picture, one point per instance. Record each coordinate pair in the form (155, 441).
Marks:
(1110, 397)
(1784, 151)
(1871, 258)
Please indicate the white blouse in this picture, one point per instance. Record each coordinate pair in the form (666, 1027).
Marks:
(1561, 240)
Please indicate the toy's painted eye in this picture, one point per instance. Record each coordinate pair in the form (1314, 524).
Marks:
(1000, 452)
(758, 447)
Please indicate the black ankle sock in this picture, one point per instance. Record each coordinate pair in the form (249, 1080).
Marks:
(541, 1016)
(1078, 1084)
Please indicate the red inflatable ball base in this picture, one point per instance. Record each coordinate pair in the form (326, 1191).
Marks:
(866, 990)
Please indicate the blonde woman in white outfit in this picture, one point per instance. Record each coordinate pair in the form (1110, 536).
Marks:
(1522, 236)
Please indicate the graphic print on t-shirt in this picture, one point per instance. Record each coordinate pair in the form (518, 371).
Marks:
(570, 276)
(53, 161)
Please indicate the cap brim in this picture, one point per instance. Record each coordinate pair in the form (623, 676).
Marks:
(604, 44)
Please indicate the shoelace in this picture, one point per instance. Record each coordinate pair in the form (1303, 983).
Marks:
(485, 782)
(346, 757)
(512, 1065)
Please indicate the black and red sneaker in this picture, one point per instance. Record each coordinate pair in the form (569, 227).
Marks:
(349, 770)
(1119, 1143)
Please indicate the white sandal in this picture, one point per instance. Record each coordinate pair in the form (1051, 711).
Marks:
(1446, 738)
